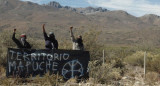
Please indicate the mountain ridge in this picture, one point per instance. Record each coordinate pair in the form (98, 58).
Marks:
(87, 10)
(116, 27)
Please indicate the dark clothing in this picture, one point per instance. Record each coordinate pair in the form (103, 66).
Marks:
(77, 43)
(80, 42)
(19, 43)
(50, 42)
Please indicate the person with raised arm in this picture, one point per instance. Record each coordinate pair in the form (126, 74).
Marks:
(22, 43)
(50, 41)
(77, 42)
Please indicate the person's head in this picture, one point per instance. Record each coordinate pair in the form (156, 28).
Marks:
(51, 35)
(79, 37)
(23, 37)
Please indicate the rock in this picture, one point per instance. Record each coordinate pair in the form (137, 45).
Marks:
(87, 10)
(54, 4)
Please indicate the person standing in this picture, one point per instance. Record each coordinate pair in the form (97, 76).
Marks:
(22, 43)
(50, 41)
(77, 42)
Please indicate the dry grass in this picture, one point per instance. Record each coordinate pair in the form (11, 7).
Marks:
(113, 72)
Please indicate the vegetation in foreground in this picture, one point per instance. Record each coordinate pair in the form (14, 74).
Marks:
(122, 65)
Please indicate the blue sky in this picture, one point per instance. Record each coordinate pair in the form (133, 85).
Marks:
(134, 7)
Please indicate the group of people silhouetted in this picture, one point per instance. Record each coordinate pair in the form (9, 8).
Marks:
(50, 40)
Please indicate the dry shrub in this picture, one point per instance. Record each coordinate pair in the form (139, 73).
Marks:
(5, 43)
(48, 79)
(12, 81)
(2, 72)
(152, 77)
(105, 73)
(65, 44)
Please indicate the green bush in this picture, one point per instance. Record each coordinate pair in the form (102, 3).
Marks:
(152, 60)
(136, 59)
(91, 44)
(153, 63)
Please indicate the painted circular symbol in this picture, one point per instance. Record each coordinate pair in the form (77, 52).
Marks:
(71, 69)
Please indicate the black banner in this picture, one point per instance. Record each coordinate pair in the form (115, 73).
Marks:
(68, 63)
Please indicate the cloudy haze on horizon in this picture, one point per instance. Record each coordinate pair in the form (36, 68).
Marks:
(134, 7)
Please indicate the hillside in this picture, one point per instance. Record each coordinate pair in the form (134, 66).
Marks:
(116, 27)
